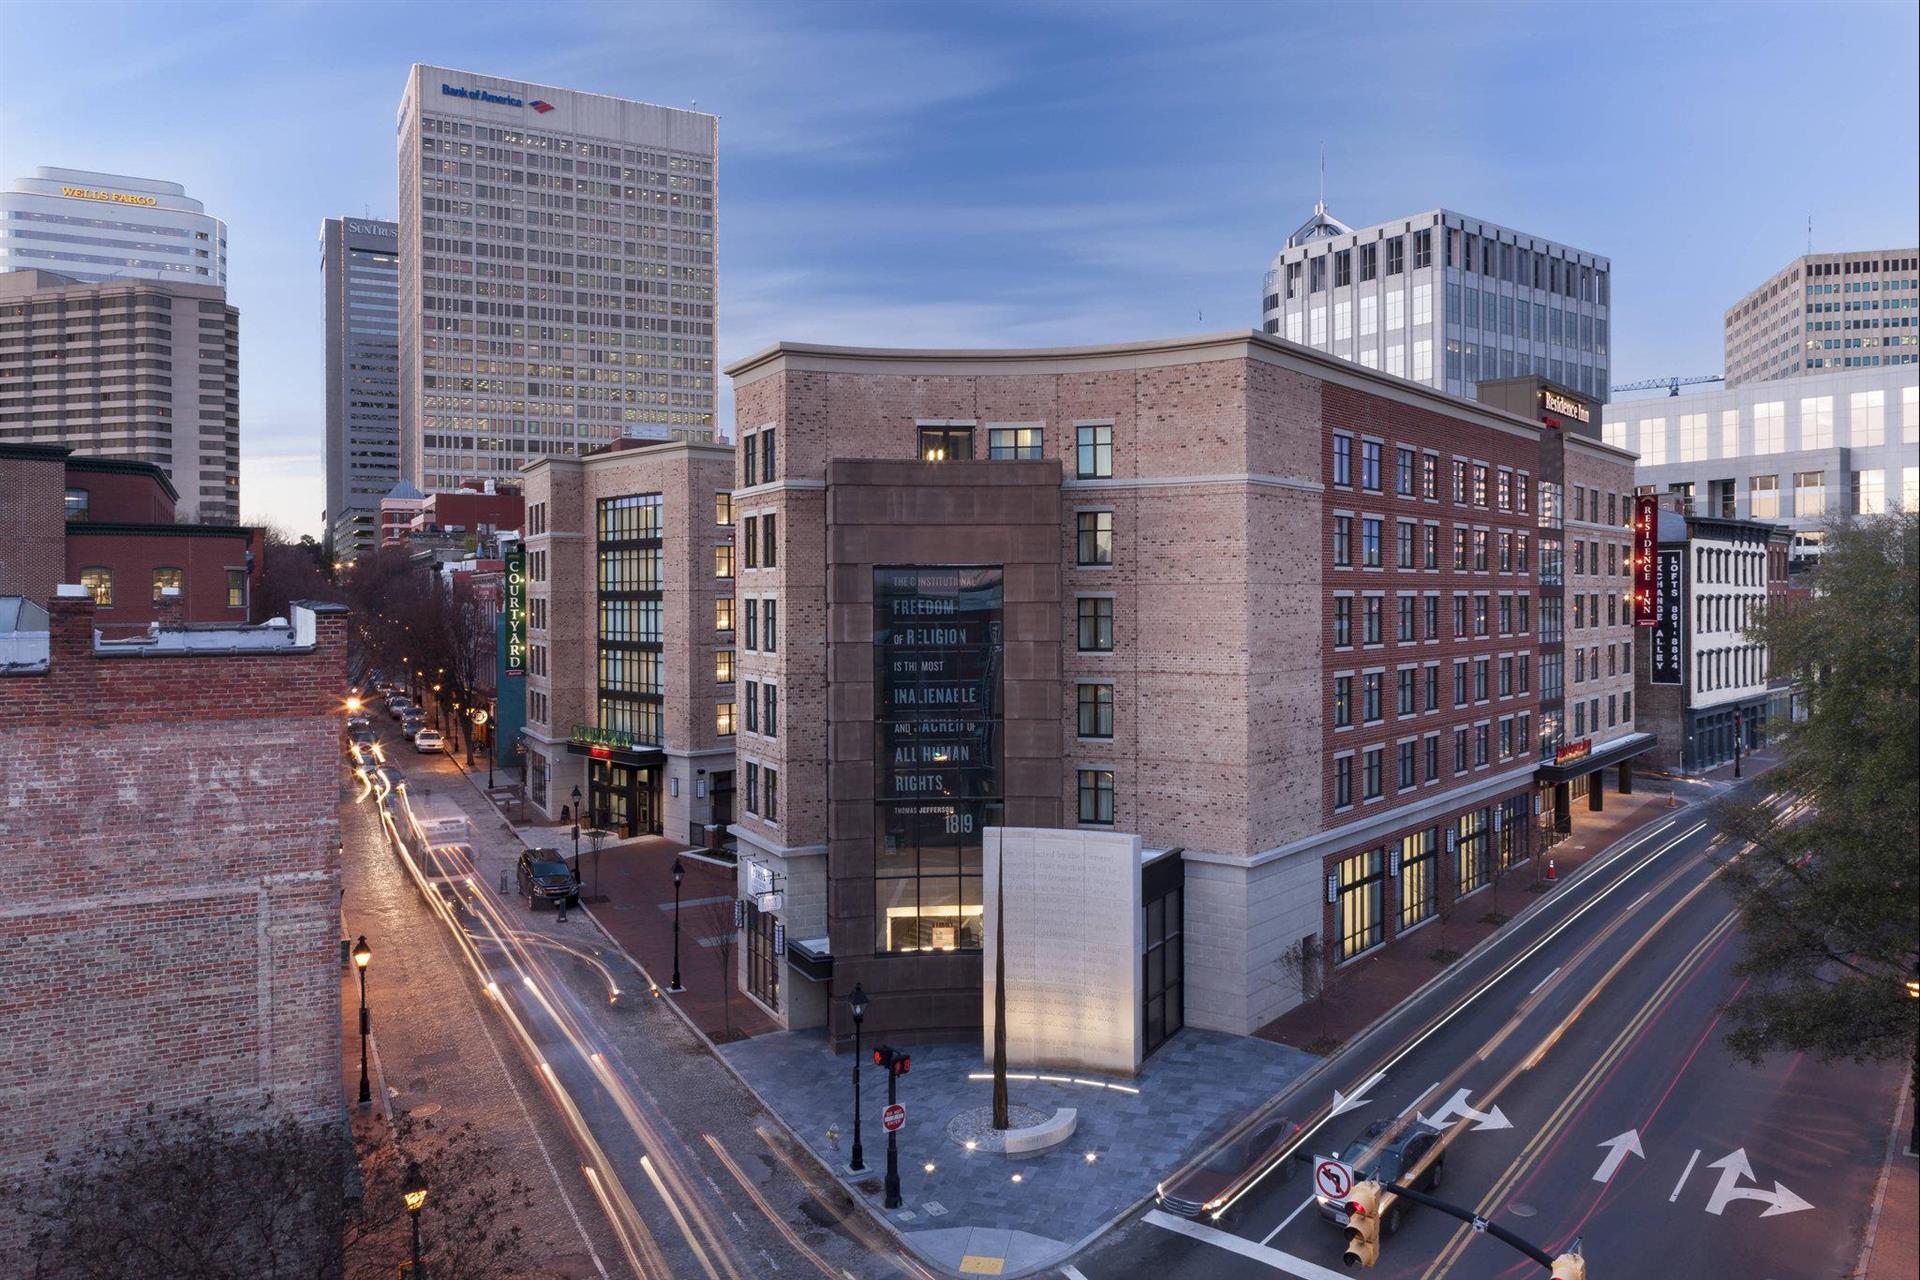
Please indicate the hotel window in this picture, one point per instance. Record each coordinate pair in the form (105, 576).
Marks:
(1406, 765)
(1343, 782)
(768, 540)
(1506, 735)
(1008, 444)
(1370, 696)
(1459, 483)
(1403, 472)
(1430, 547)
(722, 508)
(1370, 633)
(723, 560)
(1419, 858)
(164, 578)
(753, 787)
(78, 504)
(1372, 767)
(1343, 622)
(1433, 757)
(1503, 490)
(1343, 460)
(1429, 477)
(1404, 633)
(1480, 550)
(1096, 796)
(1096, 623)
(752, 629)
(769, 617)
(750, 541)
(766, 456)
(722, 666)
(748, 461)
(1423, 348)
(1506, 551)
(1093, 452)
(1506, 615)
(1479, 746)
(770, 810)
(1343, 542)
(753, 706)
(1096, 710)
(1459, 750)
(1480, 615)
(770, 719)
(1460, 683)
(944, 443)
(723, 614)
(98, 580)
(1342, 701)
(1459, 617)
(1480, 668)
(1431, 607)
(1403, 544)
(236, 587)
(723, 719)
(1763, 497)
(1432, 682)
(1370, 531)
(1317, 275)
(1096, 537)
(1479, 485)
(1370, 465)
(1404, 696)
(1362, 881)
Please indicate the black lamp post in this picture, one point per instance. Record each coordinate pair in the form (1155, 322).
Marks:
(414, 1191)
(679, 873)
(576, 848)
(857, 1004)
(362, 956)
(576, 806)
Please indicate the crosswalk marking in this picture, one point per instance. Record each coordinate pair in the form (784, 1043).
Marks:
(1278, 1259)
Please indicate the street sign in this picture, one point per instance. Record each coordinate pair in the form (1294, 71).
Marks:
(894, 1117)
(1331, 1178)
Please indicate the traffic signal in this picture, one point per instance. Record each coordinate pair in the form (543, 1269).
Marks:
(1569, 1266)
(1363, 1225)
(892, 1061)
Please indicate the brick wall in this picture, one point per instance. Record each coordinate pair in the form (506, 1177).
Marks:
(32, 513)
(203, 553)
(170, 922)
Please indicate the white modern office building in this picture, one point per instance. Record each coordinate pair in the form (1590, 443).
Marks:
(1444, 299)
(360, 274)
(1827, 311)
(95, 227)
(1787, 451)
(557, 272)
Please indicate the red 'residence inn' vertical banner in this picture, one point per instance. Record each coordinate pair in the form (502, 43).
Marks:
(1646, 560)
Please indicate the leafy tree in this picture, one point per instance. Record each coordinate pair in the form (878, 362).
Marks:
(204, 1194)
(1830, 896)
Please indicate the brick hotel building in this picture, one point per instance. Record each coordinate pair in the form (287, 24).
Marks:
(1274, 612)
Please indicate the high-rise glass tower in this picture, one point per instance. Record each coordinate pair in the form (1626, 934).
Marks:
(557, 272)
(360, 271)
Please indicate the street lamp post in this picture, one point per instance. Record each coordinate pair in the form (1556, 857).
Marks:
(362, 956)
(576, 848)
(857, 1004)
(414, 1192)
(679, 873)
(576, 804)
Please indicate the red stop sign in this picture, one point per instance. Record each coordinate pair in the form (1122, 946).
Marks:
(894, 1117)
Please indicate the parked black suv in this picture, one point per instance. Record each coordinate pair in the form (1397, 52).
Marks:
(545, 877)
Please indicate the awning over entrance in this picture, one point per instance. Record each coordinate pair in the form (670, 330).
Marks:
(636, 754)
(1573, 765)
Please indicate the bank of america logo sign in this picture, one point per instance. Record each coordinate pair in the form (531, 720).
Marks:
(541, 107)
(498, 99)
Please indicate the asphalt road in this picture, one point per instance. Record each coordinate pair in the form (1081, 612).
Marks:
(657, 1162)
(1577, 1071)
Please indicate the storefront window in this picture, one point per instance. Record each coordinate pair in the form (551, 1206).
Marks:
(764, 962)
(1362, 883)
(1164, 965)
(1419, 859)
(927, 876)
(1470, 850)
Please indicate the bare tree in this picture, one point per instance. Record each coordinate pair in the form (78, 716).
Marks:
(1311, 965)
(203, 1194)
(716, 919)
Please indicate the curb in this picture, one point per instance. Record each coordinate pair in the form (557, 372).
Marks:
(1901, 1104)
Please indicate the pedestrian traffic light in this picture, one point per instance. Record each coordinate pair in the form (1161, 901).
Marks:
(1569, 1266)
(1363, 1225)
(892, 1061)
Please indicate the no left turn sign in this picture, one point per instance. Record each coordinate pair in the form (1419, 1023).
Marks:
(1331, 1178)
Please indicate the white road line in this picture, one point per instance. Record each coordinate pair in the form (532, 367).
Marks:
(1418, 1099)
(1637, 901)
(1543, 982)
(1275, 1258)
(1684, 1175)
(1072, 1272)
(1286, 1221)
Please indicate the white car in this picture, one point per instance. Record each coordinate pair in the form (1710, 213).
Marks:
(429, 740)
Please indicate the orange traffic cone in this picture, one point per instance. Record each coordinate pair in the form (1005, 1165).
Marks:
(1673, 801)
(1552, 874)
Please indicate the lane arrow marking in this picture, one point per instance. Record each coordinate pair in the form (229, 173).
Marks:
(1342, 1103)
(1619, 1147)
(1734, 1167)
(1458, 1108)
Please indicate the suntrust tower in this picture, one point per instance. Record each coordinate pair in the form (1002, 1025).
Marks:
(1206, 649)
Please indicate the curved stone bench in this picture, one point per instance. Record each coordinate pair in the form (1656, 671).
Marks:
(1050, 1132)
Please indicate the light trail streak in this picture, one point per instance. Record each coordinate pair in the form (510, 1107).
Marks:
(854, 1224)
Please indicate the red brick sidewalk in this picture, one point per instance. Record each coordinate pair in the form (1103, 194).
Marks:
(1893, 1241)
(636, 883)
(1369, 988)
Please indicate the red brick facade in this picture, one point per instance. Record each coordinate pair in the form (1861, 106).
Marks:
(170, 930)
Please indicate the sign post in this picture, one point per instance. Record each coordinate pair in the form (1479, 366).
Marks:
(894, 1118)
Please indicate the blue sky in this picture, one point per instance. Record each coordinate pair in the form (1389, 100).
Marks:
(1014, 174)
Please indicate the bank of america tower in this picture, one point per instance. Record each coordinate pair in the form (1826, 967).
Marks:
(557, 272)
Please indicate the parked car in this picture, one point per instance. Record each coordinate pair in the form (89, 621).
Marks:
(1386, 1165)
(1206, 1186)
(429, 740)
(397, 707)
(411, 726)
(545, 877)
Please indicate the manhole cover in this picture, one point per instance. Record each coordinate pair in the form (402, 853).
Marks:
(422, 1113)
(1518, 1210)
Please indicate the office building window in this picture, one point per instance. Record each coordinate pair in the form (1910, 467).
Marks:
(1096, 796)
(1362, 879)
(98, 580)
(1095, 537)
(164, 579)
(945, 443)
(1096, 623)
(1096, 710)
(1015, 443)
(1093, 452)
(236, 587)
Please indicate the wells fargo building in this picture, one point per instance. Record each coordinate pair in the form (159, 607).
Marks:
(1273, 612)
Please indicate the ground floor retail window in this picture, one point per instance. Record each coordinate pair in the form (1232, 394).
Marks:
(1470, 850)
(1510, 841)
(764, 962)
(927, 889)
(1419, 876)
(1165, 966)
(1361, 894)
